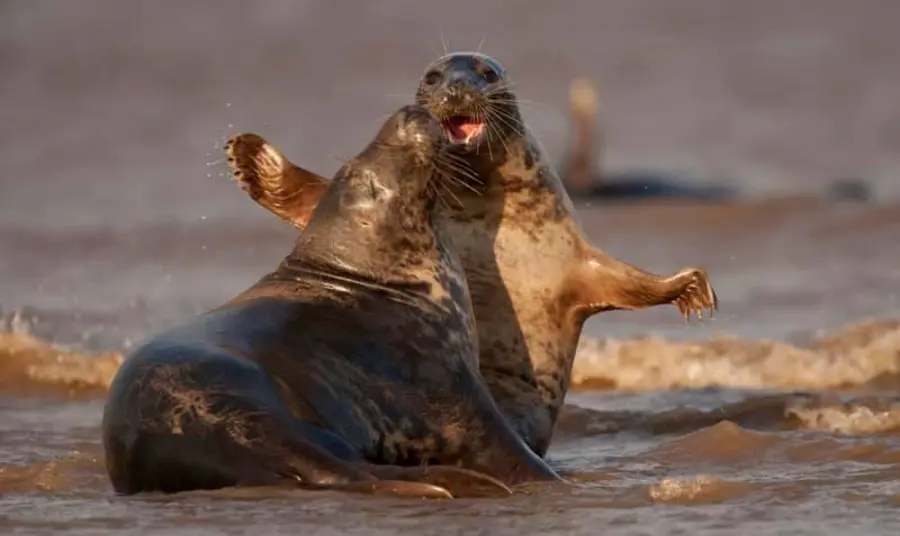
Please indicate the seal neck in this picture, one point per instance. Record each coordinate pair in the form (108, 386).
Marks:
(349, 281)
(387, 241)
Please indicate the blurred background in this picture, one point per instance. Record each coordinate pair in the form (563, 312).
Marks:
(118, 217)
(114, 104)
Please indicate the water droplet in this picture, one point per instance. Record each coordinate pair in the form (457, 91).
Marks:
(228, 105)
(230, 125)
(202, 217)
(203, 247)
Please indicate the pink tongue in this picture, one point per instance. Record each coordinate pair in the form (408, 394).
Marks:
(469, 128)
(462, 128)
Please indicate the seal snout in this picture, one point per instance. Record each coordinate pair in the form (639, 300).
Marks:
(416, 126)
(459, 107)
(416, 117)
(410, 126)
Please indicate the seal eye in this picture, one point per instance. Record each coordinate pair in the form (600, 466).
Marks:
(432, 78)
(491, 76)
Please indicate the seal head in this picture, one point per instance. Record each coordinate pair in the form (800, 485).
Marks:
(469, 94)
(377, 220)
(390, 167)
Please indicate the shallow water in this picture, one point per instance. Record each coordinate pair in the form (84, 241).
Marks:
(691, 428)
(779, 416)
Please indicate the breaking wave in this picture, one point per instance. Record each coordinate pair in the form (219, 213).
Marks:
(861, 355)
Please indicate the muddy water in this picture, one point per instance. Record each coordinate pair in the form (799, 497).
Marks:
(779, 416)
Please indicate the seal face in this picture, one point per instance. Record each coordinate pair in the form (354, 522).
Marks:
(353, 362)
(467, 93)
(534, 277)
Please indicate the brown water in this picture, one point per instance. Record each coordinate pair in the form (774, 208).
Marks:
(779, 416)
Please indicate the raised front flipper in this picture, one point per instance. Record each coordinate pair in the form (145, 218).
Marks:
(603, 283)
(272, 180)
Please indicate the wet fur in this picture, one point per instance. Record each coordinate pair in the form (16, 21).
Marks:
(357, 355)
(533, 276)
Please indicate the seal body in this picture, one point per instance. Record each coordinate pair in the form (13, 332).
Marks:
(533, 275)
(520, 210)
(356, 354)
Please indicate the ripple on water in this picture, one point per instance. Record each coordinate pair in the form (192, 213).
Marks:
(856, 355)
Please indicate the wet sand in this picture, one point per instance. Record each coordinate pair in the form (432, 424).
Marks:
(779, 416)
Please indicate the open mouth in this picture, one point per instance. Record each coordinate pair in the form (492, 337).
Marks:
(462, 129)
